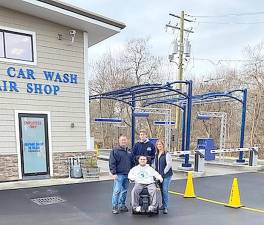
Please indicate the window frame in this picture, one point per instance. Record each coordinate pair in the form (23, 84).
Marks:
(33, 43)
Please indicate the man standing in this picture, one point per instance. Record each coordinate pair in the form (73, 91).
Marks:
(143, 147)
(120, 162)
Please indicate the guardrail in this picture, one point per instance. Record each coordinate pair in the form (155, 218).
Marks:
(234, 150)
(253, 153)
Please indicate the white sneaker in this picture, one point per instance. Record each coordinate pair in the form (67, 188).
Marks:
(138, 209)
(151, 208)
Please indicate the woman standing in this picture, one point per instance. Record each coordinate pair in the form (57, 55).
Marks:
(163, 165)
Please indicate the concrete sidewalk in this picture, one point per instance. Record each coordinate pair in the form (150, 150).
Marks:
(104, 175)
(48, 182)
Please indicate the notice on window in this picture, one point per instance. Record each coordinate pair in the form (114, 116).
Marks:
(34, 146)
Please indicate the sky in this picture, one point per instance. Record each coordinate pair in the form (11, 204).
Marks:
(229, 27)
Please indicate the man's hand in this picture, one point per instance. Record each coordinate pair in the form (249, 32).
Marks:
(114, 176)
(131, 180)
(160, 178)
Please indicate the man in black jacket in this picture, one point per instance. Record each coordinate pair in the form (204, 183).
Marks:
(143, 147)
(120, 162)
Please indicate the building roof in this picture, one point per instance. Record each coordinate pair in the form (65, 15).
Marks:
(98, 27)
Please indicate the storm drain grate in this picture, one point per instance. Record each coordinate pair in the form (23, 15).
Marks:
(48, 200)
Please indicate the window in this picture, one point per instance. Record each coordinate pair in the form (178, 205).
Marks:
(16, 46)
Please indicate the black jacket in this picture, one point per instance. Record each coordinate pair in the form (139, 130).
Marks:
(160, 164)
(120, 161)
(144, 148)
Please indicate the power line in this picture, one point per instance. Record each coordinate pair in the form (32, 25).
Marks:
(229, 60)
(231, 14)
(230, 23)
(220, 61)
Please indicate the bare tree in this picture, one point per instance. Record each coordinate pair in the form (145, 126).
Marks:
(135, 65)
(141, 65)
(253, 77)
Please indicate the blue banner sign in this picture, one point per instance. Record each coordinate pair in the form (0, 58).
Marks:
(108, 120)
(164, 122)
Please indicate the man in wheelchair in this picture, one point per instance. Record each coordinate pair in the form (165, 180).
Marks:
(144, 177)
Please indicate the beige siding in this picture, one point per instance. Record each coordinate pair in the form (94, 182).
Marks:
(68, 106)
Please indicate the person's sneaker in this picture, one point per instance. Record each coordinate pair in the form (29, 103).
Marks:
(151, 208)
(161, 208)
(138, 209)
(115, 211)
(123, 209)
(165, 211)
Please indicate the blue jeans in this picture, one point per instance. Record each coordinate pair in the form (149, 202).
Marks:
(165, 191)
(120, 191)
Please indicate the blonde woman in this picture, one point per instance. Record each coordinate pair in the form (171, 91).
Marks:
(163, 165)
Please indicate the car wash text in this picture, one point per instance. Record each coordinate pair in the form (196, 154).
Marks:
(52, 80)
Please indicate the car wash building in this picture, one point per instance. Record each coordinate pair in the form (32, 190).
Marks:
(44, 92)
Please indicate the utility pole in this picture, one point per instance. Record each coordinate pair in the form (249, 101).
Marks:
(180, 68)
(181, 53)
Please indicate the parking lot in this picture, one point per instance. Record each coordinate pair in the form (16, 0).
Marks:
(90, 204)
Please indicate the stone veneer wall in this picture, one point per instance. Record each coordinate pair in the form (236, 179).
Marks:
(8, 167)
(60, 167)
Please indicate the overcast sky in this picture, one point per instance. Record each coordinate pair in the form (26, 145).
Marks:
(214, 38)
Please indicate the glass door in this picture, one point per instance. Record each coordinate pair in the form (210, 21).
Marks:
(33, 131)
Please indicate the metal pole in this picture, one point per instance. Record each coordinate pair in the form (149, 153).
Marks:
(133, 120)
(243, 125)
(183, 127)
(169, 130)
(180, 74)
(222, 134)
(188, 125)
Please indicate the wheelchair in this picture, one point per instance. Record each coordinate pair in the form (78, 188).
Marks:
(145, 201)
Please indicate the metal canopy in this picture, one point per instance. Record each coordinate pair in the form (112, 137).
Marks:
(144, 92)
(154, 92)
(151, 94)
(210, 97)
(239, 95)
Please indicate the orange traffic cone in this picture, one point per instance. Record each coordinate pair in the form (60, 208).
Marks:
(189, 190)
(234, 198)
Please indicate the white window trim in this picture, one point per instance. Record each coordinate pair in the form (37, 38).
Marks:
(17, 61)
(86, 81)
(18, 141)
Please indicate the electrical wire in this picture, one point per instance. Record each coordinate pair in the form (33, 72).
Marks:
(230, 23)
(228, 60)
(228, 15)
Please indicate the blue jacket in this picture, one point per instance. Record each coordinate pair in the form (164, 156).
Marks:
(120, 161)
(161, 163)
(146, 148)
